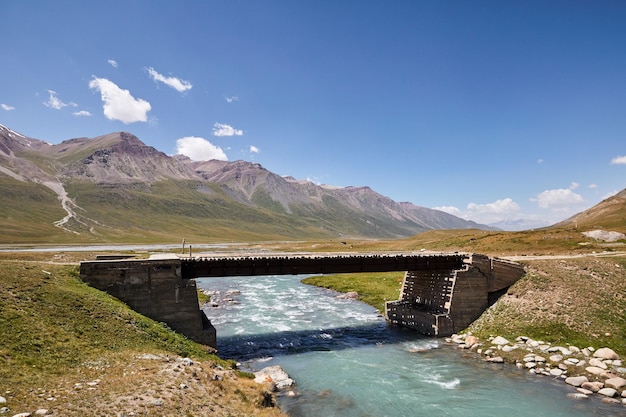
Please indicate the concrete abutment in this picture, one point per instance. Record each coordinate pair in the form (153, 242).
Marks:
(156, 289)
(442, 302)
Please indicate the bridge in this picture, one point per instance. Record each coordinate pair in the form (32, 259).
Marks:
(441, 293)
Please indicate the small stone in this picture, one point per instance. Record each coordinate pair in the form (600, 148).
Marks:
(556, 358)
(508, 348)
(617, 383)
(564, 351)
(584, 391)
(23, 415)
(577, 396)
(186, 361)
(574, 349)
(608, 392)
(605, 353)
(576, 381)
(41, 412)
(540, 359)
(556, 372)
(530, 365)
(496, 359)
(595, 370)
(3, 400)
(597, 363)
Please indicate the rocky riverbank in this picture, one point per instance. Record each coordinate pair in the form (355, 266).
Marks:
(590, 372)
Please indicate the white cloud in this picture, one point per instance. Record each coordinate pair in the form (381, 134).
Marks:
(498, 211)
(81, 113)
(450, 210)
(119, 104)
(199, 149)
(176, 83)
(558, 199)
(574, 185)
(254, 149)
(540, 161)
(593, 185)
(113, 63)
(7, 107)
(220, 129)
(55, 102)
(231, 99)
(609, 194)
(619, 160)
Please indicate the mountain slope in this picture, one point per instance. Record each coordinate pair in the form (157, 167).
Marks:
(608, 214)
(116, 188)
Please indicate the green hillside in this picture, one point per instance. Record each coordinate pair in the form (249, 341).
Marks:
(76, 351)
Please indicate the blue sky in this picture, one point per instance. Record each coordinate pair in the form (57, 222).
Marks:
(489, 110)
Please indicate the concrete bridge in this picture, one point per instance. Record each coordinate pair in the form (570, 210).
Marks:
(441, 293)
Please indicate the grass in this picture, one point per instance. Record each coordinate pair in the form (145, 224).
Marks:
(58, 334)
(374, 288)
(567, 301)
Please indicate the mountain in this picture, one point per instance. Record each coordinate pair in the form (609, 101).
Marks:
(116, 188)
(608, 214)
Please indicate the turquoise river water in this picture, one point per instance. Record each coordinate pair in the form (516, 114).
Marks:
(347, 362)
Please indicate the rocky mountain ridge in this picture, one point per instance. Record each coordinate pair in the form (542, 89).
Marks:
(120, 160)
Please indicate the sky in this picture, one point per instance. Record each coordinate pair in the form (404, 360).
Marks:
(492, 111)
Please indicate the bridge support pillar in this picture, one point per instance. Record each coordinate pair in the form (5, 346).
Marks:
(155, 289)
(441, 302)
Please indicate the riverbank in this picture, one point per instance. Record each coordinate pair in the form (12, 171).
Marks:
(68, 349)
(590, 371)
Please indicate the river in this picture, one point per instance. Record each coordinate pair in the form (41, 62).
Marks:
(347, 362)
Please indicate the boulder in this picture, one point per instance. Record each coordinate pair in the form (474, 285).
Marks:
(605, 353)
(556, 358)
(593, 386)
(608, 392)
(576, 381)
(499, 340)
(597, 363)
(595, 370)
(273, 375)
(617, 383)
(471, 340)
(350, 295)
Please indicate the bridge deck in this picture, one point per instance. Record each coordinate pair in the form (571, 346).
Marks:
(285, 264)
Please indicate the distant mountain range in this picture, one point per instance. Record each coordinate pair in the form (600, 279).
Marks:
(116, 188)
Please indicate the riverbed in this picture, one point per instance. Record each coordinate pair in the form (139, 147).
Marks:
(347, 362)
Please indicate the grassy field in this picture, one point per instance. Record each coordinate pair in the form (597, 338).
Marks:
(76, 351)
